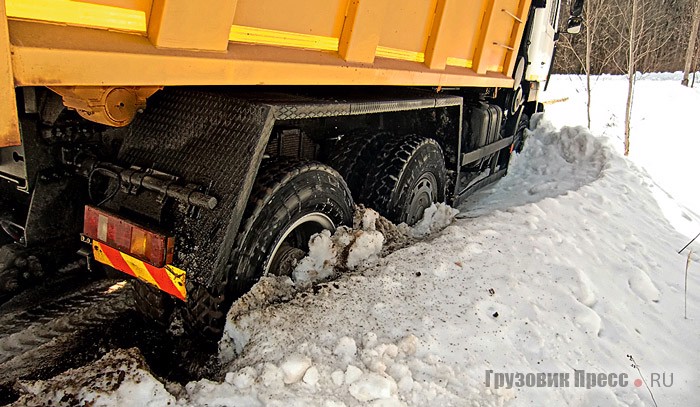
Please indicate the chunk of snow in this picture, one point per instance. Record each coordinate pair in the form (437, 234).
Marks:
(243, 378)
(369, 220)
(320, 261)
(409, 344)
(272, 376)
(311, 376)
(294, 366)
(365, 249)
(435, 218)
(352, 373)
(346, 348)
(338, 377)
(372, 386)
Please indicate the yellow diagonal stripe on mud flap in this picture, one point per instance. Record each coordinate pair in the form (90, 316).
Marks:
(100, 256)
(177, 276)
(139, 269)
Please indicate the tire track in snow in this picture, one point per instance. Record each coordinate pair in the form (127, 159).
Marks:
(50, 335)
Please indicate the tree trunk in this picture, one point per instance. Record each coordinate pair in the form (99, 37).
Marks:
(631, 73)
(690, 52)
(628, 110)
(589, 49)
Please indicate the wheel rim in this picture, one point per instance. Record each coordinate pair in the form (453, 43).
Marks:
(293, 243)
(423, 195)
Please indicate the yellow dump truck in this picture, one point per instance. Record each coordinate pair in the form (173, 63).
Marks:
(198, 145)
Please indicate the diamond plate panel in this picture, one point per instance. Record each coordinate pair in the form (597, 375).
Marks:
(211, 139)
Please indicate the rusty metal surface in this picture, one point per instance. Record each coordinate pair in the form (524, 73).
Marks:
(109, 105)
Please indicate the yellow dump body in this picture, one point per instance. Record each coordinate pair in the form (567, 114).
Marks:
(65, 43)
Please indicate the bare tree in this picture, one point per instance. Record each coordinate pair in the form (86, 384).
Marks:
(631, 72)
(591, 22)
(690, 51)
(593, 12)
(667, 18)
(643, 35)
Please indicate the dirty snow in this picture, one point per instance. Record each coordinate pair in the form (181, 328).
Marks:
(347, 248)
(363, 244)
(567, 263)
(119, 378)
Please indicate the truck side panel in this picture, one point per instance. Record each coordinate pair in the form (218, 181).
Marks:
(48, 55)
(9, 122)
(451, 32)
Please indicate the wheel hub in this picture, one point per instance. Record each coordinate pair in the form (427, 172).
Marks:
(285, 260)
(423, 195)
(293, 243)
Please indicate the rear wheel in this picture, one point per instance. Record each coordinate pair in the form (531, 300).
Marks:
(519, 139)
(291, 201)
(155, 305)
(355, 154)
(410, 177)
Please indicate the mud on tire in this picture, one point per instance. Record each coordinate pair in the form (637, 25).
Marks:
(153, 304)
(284, 191)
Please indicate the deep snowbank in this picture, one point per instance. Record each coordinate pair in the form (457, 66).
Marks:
(664, 137)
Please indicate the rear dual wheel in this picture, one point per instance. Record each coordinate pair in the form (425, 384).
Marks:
(292, 200)
(397, 176)
(408, 176)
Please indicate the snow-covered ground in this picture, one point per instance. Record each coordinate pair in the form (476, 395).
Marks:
(665, 139)
(568, 264)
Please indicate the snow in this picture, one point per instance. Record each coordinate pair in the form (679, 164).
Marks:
(119, 378)
(346, 348)
(347, 248)
(435, 218)
(321, 260)
(294, 367)
(664, 137)
(362, 245)
(371, 386)
(568, 263)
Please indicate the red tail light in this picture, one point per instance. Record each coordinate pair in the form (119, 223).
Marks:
(127, 237)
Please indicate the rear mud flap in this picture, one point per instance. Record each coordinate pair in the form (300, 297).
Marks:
(208, 138)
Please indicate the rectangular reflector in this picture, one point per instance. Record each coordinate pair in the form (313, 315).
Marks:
(128, 237)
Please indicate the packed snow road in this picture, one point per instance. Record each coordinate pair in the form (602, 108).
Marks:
(73, 320)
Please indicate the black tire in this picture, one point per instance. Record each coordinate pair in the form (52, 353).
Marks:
(354, 154)
(396, 186)
(205, 312)
(533, 107)
(285, 192)
(519, 139)
(154, 305)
